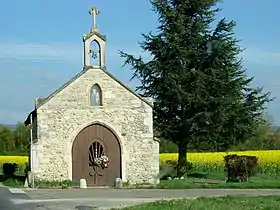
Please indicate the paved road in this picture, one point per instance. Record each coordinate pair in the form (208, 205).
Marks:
(8, 195)
(88, 199)
(5, 200)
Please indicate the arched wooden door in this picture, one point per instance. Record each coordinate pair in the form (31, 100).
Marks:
(93, 142)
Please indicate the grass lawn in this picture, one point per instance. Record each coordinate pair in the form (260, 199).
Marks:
(194, 181)
(222, 203)
(200, 179)
(217, 180)
(16, 181)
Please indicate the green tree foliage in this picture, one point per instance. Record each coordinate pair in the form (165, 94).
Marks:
(6, 139)
(202, 94)
(167, 147)
(14, 141)
(264, 139)
(21, 137)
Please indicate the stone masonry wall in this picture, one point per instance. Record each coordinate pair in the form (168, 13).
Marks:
(66, 114)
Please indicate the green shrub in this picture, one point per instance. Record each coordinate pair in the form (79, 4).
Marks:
(14, 182)
(240, 168)
(170, 169)
(27, 169)
(167, 146)
(167, 171)
(9, 169)
(63, 184)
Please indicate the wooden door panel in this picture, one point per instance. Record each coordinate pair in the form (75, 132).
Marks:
(80, 154)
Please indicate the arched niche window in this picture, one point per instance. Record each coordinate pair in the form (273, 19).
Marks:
(95, 51)
(95, 95)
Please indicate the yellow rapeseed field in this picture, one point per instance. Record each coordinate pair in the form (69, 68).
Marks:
(269, 160)
(20, 160)
(264, 156)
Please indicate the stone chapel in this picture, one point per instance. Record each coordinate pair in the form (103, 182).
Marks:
(94, 127)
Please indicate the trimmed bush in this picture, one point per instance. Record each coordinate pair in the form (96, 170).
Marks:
(240, 168)
(9, 169)
(186, 168)
(170, 167)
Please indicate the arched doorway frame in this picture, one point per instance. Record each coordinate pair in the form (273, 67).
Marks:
(114, 132)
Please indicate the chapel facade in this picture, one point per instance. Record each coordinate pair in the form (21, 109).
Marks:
(92, 118)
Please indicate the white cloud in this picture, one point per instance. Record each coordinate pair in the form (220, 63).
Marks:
(42, 52)
(65, 52)
(261, 58)
(57, 52)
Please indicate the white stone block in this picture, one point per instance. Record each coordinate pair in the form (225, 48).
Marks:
(119, 183)
(83, 184)
(26, 184)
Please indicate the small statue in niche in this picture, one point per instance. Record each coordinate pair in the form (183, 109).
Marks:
(96, 96)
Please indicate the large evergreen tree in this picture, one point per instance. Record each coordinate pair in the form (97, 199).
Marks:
(200, 88)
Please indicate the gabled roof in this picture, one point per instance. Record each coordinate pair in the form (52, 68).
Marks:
(41, 101)
(95, 32)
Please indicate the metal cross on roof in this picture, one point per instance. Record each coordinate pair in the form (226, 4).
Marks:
(94, 12)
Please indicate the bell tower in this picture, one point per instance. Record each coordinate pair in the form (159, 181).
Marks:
(94, 44)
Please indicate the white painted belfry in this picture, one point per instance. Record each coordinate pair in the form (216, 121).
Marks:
(94, 36)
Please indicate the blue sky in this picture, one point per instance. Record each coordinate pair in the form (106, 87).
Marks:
(41, 45)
